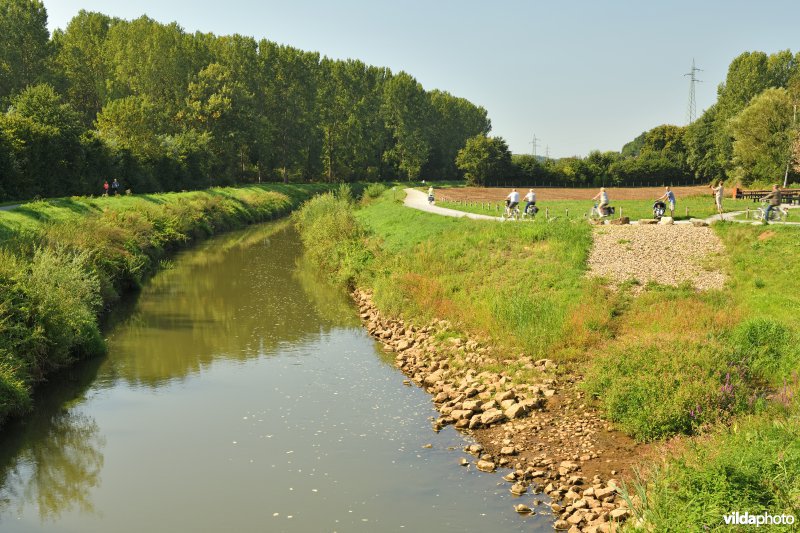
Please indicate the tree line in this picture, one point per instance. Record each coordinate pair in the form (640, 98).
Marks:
(749, 136)
(162, 109)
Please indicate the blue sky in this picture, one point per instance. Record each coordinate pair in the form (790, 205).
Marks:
(580, 75)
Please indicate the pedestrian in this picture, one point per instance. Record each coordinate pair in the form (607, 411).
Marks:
(105, 188)
(669, 196)
(115, 186)
(430, 194)
(718, 192)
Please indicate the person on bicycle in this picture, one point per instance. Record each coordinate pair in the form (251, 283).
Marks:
(602, 198)
(774, 201)
(512, 200)
(530, 200)
(430, 194)
(669, 196)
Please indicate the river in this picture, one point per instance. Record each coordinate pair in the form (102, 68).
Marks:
(240, 393)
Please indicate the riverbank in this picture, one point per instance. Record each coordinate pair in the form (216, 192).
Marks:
(671, 367)
(65, 262)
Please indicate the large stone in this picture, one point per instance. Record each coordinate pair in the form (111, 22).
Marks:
(432, 378)
(516, 410)
(505, 404)
(621, 221)
(505, 395)
(648, 221)
(602, 493)
(666, 221)
(485, 466)
(523, 509)
(561, 525)
(518, 489)
(620, 514)
(472, 405)
(508, 450)
(458, 414)
(403, 345)
(492, 416)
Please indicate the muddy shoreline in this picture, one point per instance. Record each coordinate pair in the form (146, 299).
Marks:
(545, 432)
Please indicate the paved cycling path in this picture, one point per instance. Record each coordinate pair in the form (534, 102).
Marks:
(419, 200)
(9, 207)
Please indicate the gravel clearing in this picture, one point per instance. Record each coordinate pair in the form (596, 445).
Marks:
(666, 254)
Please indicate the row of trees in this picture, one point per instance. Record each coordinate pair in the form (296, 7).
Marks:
(658, 158)
(161, 109)
(750, 135)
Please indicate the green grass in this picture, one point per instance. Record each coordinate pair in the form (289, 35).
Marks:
(752, 466)
(721, 366)
(699, 207)
(63, 261)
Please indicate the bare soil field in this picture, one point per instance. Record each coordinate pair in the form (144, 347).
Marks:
(621, 193)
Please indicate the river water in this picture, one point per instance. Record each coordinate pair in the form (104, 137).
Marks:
(240, 393)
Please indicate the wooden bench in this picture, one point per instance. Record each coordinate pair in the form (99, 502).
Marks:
(788, 196)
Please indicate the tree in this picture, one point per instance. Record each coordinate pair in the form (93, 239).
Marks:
(81, 61)
(24, 45)
(406, 112)
(763, 134)
(484, 159)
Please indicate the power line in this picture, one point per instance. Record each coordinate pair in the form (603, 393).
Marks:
(535, 143)
(691, 112)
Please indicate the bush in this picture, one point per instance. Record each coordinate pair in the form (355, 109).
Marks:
(374, 190)
(331, 235)
(654, 392)
(751, 467)
(768, 348)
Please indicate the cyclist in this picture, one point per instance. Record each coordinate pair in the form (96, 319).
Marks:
(602, 198)
(530, 200)
(512, 201)
(774, 202)
(430, 194)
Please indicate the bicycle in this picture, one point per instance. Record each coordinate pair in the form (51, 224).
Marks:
(530, 212)
(776, 214)
(511, 213)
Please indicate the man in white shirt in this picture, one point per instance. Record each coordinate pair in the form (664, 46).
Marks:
(530, 199)
(512, 200)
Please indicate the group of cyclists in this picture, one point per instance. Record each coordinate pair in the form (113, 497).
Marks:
(603, 208)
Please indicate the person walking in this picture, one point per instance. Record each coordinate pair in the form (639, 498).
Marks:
(669, 196)
(718, 192)
(430, 194)
(115, 186)
(105, 188)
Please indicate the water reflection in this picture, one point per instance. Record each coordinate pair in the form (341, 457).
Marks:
(53, 459)
(235, 301)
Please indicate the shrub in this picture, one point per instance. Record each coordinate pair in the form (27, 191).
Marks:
(752, 467)
(373, 190)
(653, 392)
(769, 349)
(331, 235)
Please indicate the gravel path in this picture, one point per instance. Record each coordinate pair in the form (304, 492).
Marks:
(666, 254)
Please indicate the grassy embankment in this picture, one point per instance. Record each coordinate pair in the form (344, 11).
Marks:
(699, 207)
(719, 366)
(63, 261)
